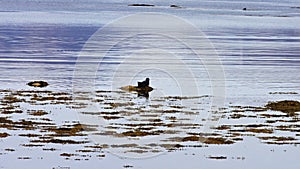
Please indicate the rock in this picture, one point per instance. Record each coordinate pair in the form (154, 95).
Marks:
(140, 5)
(175, 6)
(244, 9)
(38, 84)
(286, 106)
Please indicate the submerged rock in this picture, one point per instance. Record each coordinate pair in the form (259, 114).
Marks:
(38, 84)
(286, 106)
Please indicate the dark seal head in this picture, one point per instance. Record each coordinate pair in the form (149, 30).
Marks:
(144, 83)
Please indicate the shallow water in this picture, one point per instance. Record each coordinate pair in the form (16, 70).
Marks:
(258, 49)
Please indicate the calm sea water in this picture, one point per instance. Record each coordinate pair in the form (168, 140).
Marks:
(258, 50)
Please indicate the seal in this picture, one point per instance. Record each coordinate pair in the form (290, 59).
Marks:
(142, 89)
(144, 83)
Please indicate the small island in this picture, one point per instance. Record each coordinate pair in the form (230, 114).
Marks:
(141, 5)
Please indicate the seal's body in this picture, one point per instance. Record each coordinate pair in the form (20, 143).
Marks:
(144, 83)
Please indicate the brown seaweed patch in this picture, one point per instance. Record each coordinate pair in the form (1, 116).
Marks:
(5, 91)
(156, 105)
(106, 133)
(28, 125)
(273, 115)
(24, 158)
(9, 149)
(191, 138)
(67, 154)
(3, 135)
(177, 107)
(286, 106)
(71, 130)
(101, 155)
(171, 118)
(58, 141)
(291, 128)
(184, 97)
(223, 127)
(37, 112)
(124, 145)
(85, 151)
(115, 105)
(172, 146)
(139, 133)
(6, 123)
(283, 93)
(256, 130)
(11, 99)
(11, 111)
(30, 135)
(171, 111)
(9, 107)
(217, 140)
(208, 140)
(138, 151)
(247, 109)
(97, 146)
(237, 116)
(127, 166)
(22, 124)
(51, 98)
(32, 145)
(141, 124)
(111, 117)
(217, 157)
(90, 113)
(49, 149)
(278, 139)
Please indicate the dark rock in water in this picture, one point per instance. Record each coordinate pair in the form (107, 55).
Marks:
(140, 5)
(144, 83)
(244, 9)
(286, 106)
(38, 84)
(175, 6)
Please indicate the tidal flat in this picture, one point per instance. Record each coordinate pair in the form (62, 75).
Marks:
(30, 123)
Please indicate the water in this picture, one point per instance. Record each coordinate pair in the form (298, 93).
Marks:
(258, 49)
